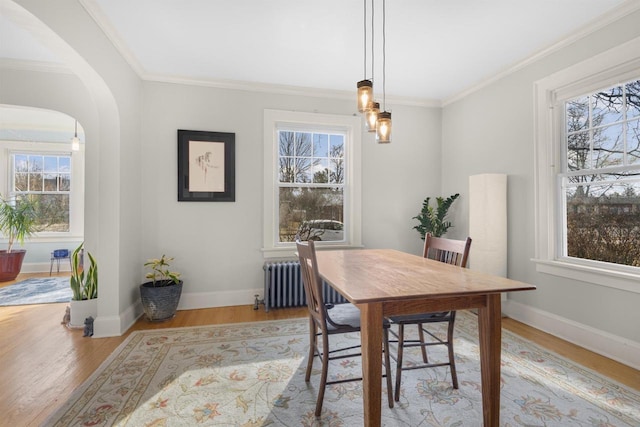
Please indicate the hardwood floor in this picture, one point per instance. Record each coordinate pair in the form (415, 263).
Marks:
(42, 361)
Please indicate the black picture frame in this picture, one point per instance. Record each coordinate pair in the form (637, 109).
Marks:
(206, 166)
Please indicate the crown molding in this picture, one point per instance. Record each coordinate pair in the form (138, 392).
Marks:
(282, 89)
(626, 8)
(39, 66)
(101, 20)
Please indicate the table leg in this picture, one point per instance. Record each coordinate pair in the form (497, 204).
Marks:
(371, 336)
(489, 326)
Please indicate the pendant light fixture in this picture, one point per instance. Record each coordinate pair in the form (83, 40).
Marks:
(383, 124)
(75, 141)
(373, 108)
(371, 115)
(365, 87)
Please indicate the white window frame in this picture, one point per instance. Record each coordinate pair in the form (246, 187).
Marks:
(76, 195)
(351, 125)
(612, 67)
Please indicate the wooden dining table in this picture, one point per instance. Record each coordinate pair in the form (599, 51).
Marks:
(385, 282)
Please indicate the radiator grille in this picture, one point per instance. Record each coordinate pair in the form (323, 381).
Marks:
(283, 286)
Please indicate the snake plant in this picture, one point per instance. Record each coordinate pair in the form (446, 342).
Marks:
(83, 286)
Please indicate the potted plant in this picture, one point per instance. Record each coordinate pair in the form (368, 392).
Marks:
(84, 287)
(434, 220)
(17, 221)
(160, 296)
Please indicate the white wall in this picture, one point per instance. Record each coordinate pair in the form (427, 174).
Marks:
(491, 130)
(217, 245)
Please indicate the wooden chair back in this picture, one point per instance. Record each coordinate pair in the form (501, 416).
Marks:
(455, 252)
(312, 282)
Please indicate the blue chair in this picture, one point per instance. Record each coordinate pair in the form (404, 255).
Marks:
(58, 255)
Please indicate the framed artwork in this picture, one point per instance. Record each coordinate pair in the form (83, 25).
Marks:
(206, 166)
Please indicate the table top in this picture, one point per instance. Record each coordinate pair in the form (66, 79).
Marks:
(370, 275)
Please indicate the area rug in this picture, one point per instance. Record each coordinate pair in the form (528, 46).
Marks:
(252, 374)
(36, 291)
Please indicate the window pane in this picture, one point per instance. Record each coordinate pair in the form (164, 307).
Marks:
(285, 143)
(602, 223)
(321, 171)
(633, 99)
(50, 182)
(577, 112)
(64, 164)
(313, 212)
(20, 163)
(304, 171)
(287, 169)
(578, 148)
(336, 172)
(50, 164)
(303, 144)
(65, 182)
(607, 106)
(35, 182)
(35, 164)
(337, 146)
(320, 145)
(608, 146)
(21, 182)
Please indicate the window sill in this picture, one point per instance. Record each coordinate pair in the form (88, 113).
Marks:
(625, 281)
(289, 252)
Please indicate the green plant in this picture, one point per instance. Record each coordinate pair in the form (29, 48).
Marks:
(434, 220)
(17, 220)
(83, 286)
(160, 274)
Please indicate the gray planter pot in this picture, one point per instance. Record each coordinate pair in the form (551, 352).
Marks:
(160, 302)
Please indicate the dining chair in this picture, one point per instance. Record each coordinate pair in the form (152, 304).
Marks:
(330, 319)
(455, 252)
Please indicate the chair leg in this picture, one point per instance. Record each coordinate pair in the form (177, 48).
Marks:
(313, 344)
(423, 348)
(452, 360)
(323, 378)
(387, 367)
(51, 267)
(399, 361)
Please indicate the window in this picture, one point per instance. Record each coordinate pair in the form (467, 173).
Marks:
(311, 180)
(600, 181)
(45, 178)
(587, 162)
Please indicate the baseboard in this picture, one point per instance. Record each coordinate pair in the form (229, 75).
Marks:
(113, 326)
(606, 344)
(196, 300)
(41, 267)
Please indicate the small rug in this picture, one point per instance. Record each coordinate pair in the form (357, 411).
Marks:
(252, 374)
(36, 291)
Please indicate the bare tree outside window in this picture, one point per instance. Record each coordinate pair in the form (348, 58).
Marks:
(45, 179)
(311, 185)
(602, 179)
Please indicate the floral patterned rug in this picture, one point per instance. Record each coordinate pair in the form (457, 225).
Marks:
(252, 374)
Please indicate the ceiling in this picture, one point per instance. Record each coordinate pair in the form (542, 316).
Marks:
(435, 49)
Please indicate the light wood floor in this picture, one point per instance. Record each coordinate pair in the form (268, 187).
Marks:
(42, 361)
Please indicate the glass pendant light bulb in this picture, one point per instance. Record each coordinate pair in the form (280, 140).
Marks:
(383, 128)
(75, 141)
(365, 94)
(371, 115)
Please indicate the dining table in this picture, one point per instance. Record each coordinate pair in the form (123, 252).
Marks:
(386, 282)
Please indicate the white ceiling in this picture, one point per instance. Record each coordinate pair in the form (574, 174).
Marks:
(435, 49)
